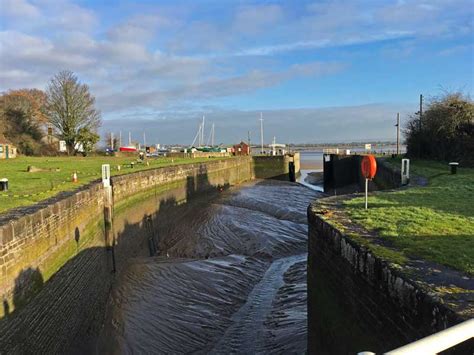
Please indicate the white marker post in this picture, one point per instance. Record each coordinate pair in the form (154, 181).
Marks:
(405, 171)
(366, 192)
(108, 213)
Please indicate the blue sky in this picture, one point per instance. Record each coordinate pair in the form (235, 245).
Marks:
(177, 60)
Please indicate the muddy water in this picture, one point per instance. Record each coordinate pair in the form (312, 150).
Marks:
(229, 277)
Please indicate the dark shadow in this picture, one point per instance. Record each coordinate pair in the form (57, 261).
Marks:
(270, 167)
(6, 308)
(77, 235)
(27, 284)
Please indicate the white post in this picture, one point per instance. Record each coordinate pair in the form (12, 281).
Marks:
(366, 191)
(405, 171)
(108, 212)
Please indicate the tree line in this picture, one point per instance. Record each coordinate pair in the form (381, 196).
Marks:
(444, 131)
(35, 120)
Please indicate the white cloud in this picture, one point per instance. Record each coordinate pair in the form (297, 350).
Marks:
(256, 18)
(209, 88)
(19, 9)
(151, 59)
(68, 16)
(323, 43)
(140, 28)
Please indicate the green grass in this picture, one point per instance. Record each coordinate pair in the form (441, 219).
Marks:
(434, 222)
(27, 188)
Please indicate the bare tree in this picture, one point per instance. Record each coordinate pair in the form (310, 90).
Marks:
(70, 107)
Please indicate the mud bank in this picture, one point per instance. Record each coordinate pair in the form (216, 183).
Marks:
(230, 276)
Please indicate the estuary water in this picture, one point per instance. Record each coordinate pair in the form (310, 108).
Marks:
(229, 277)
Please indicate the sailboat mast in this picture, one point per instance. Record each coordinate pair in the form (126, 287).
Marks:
(202, 129)
(212, 136)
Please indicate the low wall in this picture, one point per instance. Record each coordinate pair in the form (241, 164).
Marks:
(358, 302)
(55, 272)
(275, 166)
(198, 154)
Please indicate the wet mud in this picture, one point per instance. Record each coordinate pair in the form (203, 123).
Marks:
(229, 277)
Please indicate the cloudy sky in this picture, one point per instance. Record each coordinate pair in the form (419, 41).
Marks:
(320, 71)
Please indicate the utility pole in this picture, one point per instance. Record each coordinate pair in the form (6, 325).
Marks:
(261, 132)
(421, 109)
(398, 133)
(129, 139)
(112, 141)
(248, 135)
(120, 139)
(144, 139)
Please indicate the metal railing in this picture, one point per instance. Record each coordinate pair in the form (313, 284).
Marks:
(437, 342)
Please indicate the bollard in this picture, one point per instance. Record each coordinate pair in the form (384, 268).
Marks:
(454, 167)
(4, 184)
(132, 164)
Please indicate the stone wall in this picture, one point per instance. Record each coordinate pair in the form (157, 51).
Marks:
(359, 302)
(275, 166)
(55, 272)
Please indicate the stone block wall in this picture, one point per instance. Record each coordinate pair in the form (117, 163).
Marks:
(358, 302)
(266, 167)
(55, 272)
(40, 238)
(213, 173)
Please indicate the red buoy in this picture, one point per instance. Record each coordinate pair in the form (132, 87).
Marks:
(369, 166)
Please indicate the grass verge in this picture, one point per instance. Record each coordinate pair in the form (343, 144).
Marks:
(54, 174)
(434, 222)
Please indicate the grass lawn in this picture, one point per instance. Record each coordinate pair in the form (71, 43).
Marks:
(434, 222)
(27, 188)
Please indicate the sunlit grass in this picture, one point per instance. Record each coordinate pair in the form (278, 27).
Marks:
(435, 222)
(27, 188)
